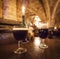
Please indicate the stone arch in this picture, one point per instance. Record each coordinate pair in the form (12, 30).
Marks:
(37, 9)
(47, 10)
(54, 12)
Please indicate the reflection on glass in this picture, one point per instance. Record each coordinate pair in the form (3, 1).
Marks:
(42, 44)
(20, 35)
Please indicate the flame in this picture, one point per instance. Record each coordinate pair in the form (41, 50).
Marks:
(23, 10)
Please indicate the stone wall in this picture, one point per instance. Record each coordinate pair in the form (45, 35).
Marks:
(9, 9)
(45, 9)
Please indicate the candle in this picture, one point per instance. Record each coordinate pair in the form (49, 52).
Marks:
(23, 10)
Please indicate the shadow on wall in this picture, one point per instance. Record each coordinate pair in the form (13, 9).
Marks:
(7, 38)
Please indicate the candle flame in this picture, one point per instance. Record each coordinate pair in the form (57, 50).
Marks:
(23, 10)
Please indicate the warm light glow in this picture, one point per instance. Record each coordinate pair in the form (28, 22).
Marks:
(37, 41)
(23, 10)
(20, 28)
(39, 24)
(42, 25)
(31, 33)
(47, 24)
(37, 18)
(55, 27)
(37, 21)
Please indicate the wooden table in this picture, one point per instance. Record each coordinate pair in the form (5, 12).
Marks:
(53, 51)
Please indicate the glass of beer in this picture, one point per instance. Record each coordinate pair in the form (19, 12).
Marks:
(20, 35)
(43, 33)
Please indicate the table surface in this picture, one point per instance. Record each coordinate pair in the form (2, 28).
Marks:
(52, 52)
(20, 28)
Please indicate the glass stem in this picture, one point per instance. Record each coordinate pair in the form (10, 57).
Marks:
(19, 44)
(43, 40)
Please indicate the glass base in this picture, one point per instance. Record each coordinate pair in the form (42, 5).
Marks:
(20, 51)
(25, 41)
(43, 46)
